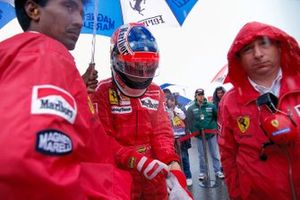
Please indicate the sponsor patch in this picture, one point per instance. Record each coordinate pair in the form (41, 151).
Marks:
(121, 109)
(243, 123)
(149, 103)
(281, 131)
(53, 142)
(50, 99)
(275, 123)
(113, 97)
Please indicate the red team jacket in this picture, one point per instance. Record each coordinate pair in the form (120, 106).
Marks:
(241, 138)
(51, 144)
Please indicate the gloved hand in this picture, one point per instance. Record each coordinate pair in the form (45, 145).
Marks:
(177, 186)
(151, 169)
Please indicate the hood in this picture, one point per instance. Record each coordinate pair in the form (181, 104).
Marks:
(290, 51)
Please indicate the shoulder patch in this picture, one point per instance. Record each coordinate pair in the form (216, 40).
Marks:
(53, 142)
(243, 123)
(50, 99)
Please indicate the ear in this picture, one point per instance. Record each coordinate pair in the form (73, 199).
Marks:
(32, 10)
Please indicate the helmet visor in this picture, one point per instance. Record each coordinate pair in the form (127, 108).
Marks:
(139, 64)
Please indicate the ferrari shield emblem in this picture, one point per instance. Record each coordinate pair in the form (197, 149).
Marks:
(243, 123)
(275, 123)
(113, 97)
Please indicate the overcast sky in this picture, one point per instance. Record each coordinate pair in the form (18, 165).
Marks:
(192, 54)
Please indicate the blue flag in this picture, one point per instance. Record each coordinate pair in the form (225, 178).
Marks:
(181, 8)
(7, 13)
(109, 17)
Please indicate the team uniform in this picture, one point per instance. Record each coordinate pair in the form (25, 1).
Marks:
(254, 171)
(47, 136)
(140, 123)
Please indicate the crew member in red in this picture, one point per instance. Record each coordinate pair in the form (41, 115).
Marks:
(48, 124)
(260, 116)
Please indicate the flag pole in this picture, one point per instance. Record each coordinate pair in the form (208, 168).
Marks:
(94, 31)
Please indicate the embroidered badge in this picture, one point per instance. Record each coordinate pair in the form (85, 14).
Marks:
(113, 97)
(275, 123)
(53, 142)
(243, 123)
(121, 109)
(149, 103)
(52, 100)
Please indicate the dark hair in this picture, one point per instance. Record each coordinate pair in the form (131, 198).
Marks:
(23, 19)
(216, 99)
(170, 97)
(167, 91)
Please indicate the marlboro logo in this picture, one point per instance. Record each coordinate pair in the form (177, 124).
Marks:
(52, 100)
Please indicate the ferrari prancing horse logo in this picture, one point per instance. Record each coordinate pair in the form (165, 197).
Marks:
(275, 123)
(243, 123)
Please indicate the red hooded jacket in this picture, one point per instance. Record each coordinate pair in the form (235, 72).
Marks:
(241, 138)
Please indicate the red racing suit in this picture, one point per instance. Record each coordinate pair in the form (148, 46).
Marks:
(48, 127)
(140, 123)
(241, 138)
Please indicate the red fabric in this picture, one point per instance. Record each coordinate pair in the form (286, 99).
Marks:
(240, 139)
(139, 123)
(104, 181)
(29, 60)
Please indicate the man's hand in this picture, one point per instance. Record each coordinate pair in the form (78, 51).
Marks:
(177, 187)
(174, 166)
(90, 78)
